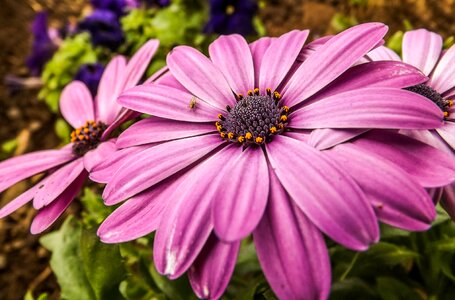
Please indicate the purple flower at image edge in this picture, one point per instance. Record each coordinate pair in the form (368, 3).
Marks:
(423, 49)
(93, 119)
(90, 75)
(104, 28)
(116, 6)
(232, 16)
(270, 139)
(43, 47)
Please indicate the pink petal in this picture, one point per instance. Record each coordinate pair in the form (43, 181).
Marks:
(169, 80)
(258, 49)
(332, 59)
(123, 116)
(187, 226)
(429, 166)
(58, 182)
(210, 273)
(157, 75)
(155, 164)
(397, 198)
(383, 53)
(76, 104)
(447, 132)
(153, 130)
(374, 74)
(138, 64)
(443, 77)
(239, 206)
(326, 138)
(370, 108)
(47, 216)
(200, 76)
(97, 156)
(169, 103)
(422, 48)
(109, 89)
(279, 58)
(291, 250)
(19, 201)
(232, 56)
(329, 197)
(18, 168)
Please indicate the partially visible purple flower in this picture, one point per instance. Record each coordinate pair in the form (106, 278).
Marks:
(90, 74)
(116, 6)
(104, 28)
(423, 50)
(43, 45)
(233, 149)
(231, 16)
(93, 119)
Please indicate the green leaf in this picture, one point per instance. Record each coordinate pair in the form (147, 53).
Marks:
(392, 289)
(395, 42)
(448, 42)
(352, 288)
(63, 130)
(66, 262)
(103, 266)
(9, 146)
(390, 254)
(341, 22)
(94, 209)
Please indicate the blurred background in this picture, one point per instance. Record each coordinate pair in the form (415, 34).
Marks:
(28, 124)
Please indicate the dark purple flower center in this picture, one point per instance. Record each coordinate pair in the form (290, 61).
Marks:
(429, 93)
(254, 119)
(87, 137)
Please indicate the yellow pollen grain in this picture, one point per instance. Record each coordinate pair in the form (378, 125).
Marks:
(248, 136)
(446, 114)
(230, 135)
(283, 118)
(285, 109)
(78, 131)
(81, 137)
(277, 95)
(256, 91)
(230, 9)
(450, 103)
(223, 135)
(273, 129)
(86, 130)
(241, 139)
(259, 140)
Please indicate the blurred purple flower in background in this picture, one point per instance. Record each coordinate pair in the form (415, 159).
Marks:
(90, 74)
(44, 44)
(116, 6)
(231, 16)
(104, 28)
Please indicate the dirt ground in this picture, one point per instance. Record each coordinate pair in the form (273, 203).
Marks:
(23, 262)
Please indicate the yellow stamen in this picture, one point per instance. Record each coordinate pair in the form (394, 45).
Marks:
(285, 109)
(283, 118)
(256, 91)
(259, 140)
(241, 139)
(273, 129)
(248, 136)
(223, 135)
(230, 135)
(450, 103)
(250, 93)
(446, 114)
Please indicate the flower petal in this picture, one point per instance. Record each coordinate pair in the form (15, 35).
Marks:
(187, 226)
(447, 132)
(200, 76)
(19, 201)
(210, 273)
(422, 48)
(97, 156)
(391, 74)
(240, 203)
(18, 168)
(443, 77)
(58, 182)
(47, 216)
(329, 197)
(155, 164)
(383, 53)
(370, 108)
(138, 64)
(109, 89)
(232, 56)
(291, 250)
(153, 130)
(397, 198)
(448, 200)
(429, 166)
(326, 138)
(76, 104)
(158, 75)
(279, 58)
(258, 49)
(332, 59)
(169, 103)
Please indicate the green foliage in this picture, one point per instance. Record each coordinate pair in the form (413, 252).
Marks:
(85, 268)
(448, 42)
(342, 22)
(95, 211)
(60, 70)
(63, 130)
(395, 42)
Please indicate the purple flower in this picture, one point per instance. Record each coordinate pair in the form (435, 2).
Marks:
(93, 120)
(104, 27)
(116, 6)
(423, 49)
(231, 16)
(236, 147)
(43, 45)
(90, 75)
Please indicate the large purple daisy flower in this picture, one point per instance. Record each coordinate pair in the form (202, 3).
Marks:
(230, 152)
(423, 49)
(93, 120)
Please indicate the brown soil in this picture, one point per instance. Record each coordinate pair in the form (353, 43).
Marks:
(23, 262)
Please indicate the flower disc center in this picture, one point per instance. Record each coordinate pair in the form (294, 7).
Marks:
(254, 119)
(429, 93)
(87, 137)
